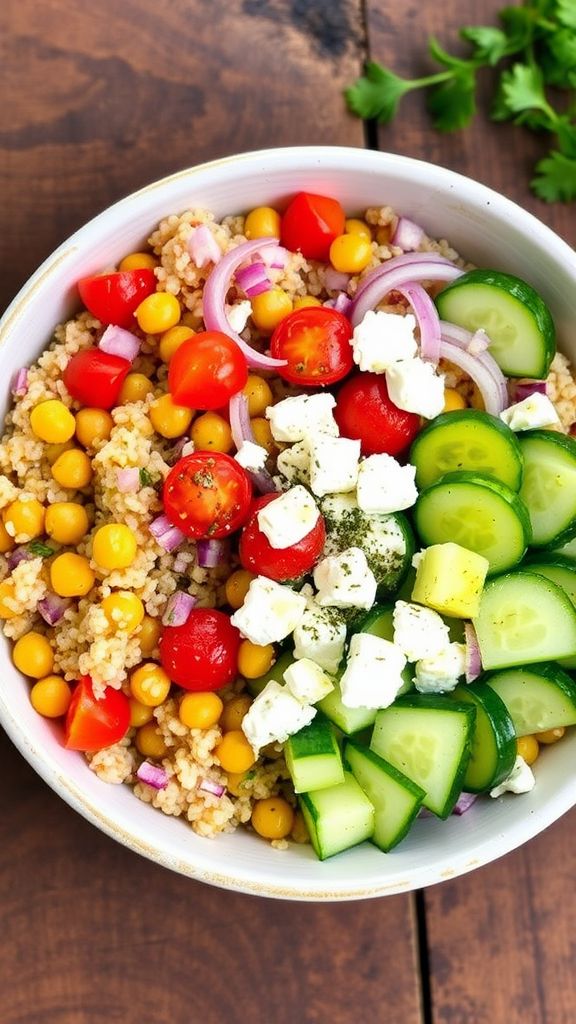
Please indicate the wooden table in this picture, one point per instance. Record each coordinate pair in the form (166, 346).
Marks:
(98, 99)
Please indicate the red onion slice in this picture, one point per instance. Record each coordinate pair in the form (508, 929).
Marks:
(19, 554)
(426, 317)
(342, 303)
(211, 553)
(417, 262)
(521, 389)
(392, 279)
(335, 280)
(253, 280)
(52, 607)
(215, 788)
(276, 256)
(153, 775)
(240, 419)
(128, 480)
(118, 342)
(19, 383)
(464, 803)
(178, 608)
(203, 247)
(473, 657)
(167, 535)
(408, 235)
(214, 300)
(492, 386)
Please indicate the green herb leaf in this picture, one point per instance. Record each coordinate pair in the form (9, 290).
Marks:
(566, 13)
(555, 179)
(146, 480)
(557, 58)
(566, 131)
(38, 548)
(377, 94)
(519, 24)
(452, 104)
(490, 44)
(522, 89)
(439, 54)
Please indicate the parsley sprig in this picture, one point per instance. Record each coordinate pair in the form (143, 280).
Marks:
(534, 51)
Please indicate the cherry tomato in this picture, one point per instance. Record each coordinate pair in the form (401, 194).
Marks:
(206, 371)
(207, 494)
(257, 554)
(316, 342)
(203, 653)
(94, 377)
(92, 724)
(364, 410)
(113, 298)
(311, 223)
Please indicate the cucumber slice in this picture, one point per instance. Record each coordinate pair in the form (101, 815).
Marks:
(477, 512)
(538, 697)
(428, 738)
(568, 550)
(471, 440)
(524, 618)
(274, 674)
(313, 757)
(549, 486)
(338, 817)
(516, 319)
(560, 570)
(379, 622)
(494, 740)
(348, 720)
(396, 798)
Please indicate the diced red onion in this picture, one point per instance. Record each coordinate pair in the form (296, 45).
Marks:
(118, 342)
(178, 608)
(335, 280)
(203, 247)
(167, 535)
(412, 268)
(492, 389)
(262, 481)
(215, 788)
(240, 420)
(153, 775)
(464, 803)
(17, 555)
(342, 303)
(178, 449)
(473, 658)
(128, 480)
(521, 389)
(52, 607)
(253, 279)
(408, 235)
(276, 256)
(214, 300)
(426, 318)
(463, 339)
(210, 553)
(19, 383)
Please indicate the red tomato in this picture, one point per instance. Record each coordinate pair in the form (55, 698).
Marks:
(316, 342)
(311, 223)
(364, 410)
(92, 724)
(203, 653)
(94, 377)
(113, 298)
(258, 555)
(207, 494)
(206, 371)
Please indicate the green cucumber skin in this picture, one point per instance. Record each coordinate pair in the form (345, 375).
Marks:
(568, 444)
(502, 726)
(460, 419)
(348, 720)
(553, 674)
(313, 817)
(396, 776)
(312, 748)
(276, 674)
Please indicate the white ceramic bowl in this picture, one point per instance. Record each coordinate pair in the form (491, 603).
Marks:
(485, 228)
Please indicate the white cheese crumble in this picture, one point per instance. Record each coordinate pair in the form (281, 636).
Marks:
(237, 315)
(384, 485)
(418, 631)
(345, 580)
(270, 612)
(307, 681)
(294, 418)
(535, 411)
(414, 385)
(320, 635)
(251, 456)
(440, 673)
(288, 518)
(294, 463)
(381, 339)
(333, 464)
(520, 780)
(275, 715)
(373, 673)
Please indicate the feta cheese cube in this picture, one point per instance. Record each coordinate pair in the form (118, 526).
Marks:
(294, 463)
(307, 682)
(520, 780)
(294, 418)
(414, 385)
(270, 612)
(320, 635)
(419, 632)
(440, 673)
(288, 518)
(275, 715)
(251, 456)
(373, 673)
(345, 580)
(535, 411)
(384, 485)
(333, 464)
(237, 315)
(381, 339)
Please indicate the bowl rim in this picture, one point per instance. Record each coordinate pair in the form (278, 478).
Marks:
(198, 868)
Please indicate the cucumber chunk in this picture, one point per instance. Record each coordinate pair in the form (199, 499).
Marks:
(494, 740)
(348, 720)
(379, 622)
(337, 817)
(313, 757)
(524, 618)
(549, 486)
(396, 798)
(560, 570)
(471, 440)
(428, 738)
(538, 697)
(514, 316)
(478, 513)
(274, 674)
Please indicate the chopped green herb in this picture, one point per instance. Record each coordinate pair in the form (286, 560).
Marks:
(38, 548)
(146, 478)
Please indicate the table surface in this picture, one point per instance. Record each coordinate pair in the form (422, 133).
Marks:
(97, 100)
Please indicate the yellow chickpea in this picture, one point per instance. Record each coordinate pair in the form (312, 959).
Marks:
(66, 522)
(234, 752)
(32, 655)
(550, 735)
(171, 341)
(71, 575)
(149, 741)
(24, 520)
(200, 710)
(158, 313)
(138, 261)
(350, 254)
(453, 400)
(93, 426)
(51, 697)
(54, 451)
(254, 660)
(140, 714)
(150, 684)
(136, 388)
(124, 610)
(114, 546)
(72, 469)
(528, 748)
(306, 301)
(259, 395)
(237, 586)
(7, 600)
(168, 419)
(263, 434)
(6, 541)
(210, 432)
(270, 308)
(263, 222)
(149, 634)
(354, 226)
(272, 818)
(52, 421)
(234, 712)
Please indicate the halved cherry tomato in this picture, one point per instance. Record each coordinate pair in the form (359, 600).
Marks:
(207, 494)
(315, 341)
(365, 411)
(311, 223)
(257, 554)
(113, 298)
(92, 724)
(206, 371)
(94, 377)
(203, 653)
